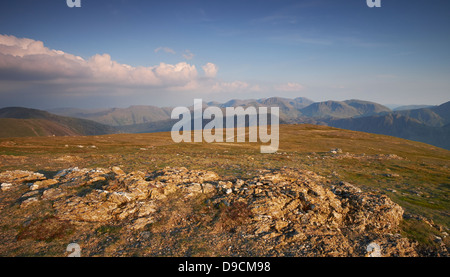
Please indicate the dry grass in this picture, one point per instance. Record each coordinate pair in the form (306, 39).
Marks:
(419, 180)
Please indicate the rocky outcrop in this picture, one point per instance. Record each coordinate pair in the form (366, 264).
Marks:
(290, 212)
(368, 212)
(9, 179)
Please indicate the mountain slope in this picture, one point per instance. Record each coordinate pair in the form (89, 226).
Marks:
(289, 108)
(12, 127)
(366, 108)
(19, 122)
(120, 116)
(411, 107)
(436, 116)
(443, 111)
(343, 109)
(330, 109)
(425, 115)
(396, 125)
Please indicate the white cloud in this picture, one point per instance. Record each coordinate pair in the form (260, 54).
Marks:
(290, 87)
(27, 59)
(165, 49)
(210, 70)
(33, 69)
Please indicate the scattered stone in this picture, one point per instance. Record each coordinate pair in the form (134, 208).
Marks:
(28, 202)
(30, 194)
(193, 189)
(119, 198)
(53, 194)
(280, 225)
(64, 172)
(391, 175)
(140, 223)
(43, 184)
(6, 186)
(336, 151)
(146, 208)
(117, 170)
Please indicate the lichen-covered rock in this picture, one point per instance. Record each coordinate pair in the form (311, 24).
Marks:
(183, 175)
(53, 194)
(20, 176)
(288, 211)
(78, 209)
(368, 211)
(43, 184)
(28, 202)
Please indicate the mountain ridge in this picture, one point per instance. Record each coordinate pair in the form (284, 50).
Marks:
(428, 124)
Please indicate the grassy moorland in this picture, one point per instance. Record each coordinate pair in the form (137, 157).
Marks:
(414, 175)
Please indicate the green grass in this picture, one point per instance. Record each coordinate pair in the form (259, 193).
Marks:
(108, 229)
(423, 233)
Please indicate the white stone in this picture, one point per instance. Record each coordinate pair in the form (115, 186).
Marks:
(6, 186)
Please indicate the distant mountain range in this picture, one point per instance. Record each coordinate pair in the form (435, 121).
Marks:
(411, 107)
(429, 124)
(289, 108)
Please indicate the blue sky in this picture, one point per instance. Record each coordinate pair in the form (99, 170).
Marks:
(156, 52)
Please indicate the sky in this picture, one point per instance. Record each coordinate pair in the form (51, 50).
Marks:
(116, 53)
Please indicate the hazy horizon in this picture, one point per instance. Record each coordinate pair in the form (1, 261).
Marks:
(166, 53)
(390, 106)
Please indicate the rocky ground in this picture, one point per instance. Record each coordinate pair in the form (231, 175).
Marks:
(181, 212)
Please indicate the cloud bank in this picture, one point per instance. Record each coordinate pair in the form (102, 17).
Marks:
(27, 60)
(30, 69)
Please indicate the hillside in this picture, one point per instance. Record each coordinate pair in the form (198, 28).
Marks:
(120, 116)
(327, 192)
(345, 109)
(20, 122)
(398, 126)
(367, 108)
(12, 127)
(425, 115)
(443, 111)
(436, 116)
(410, 107)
